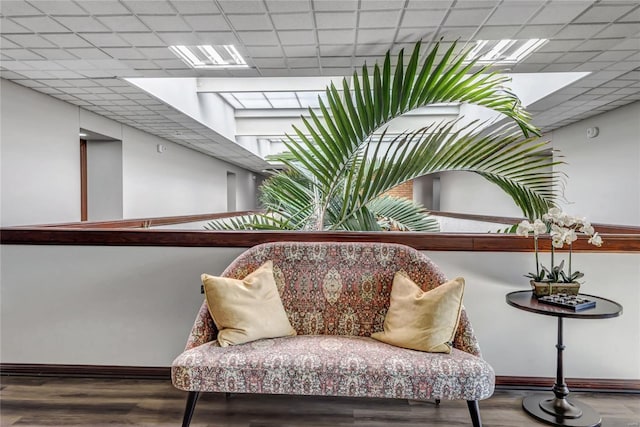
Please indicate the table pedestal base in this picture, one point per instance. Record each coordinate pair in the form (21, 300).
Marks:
(568, 413)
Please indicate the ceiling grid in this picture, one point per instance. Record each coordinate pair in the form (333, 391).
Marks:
(80, 51)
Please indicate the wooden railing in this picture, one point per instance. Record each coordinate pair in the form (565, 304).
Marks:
(137, 232)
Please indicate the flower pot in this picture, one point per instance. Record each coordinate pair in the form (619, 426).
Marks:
(541, 289)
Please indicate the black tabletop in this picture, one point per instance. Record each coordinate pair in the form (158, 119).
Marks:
(604, 308)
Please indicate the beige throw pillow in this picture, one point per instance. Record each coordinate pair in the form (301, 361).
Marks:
(425, 321)
(248, 309)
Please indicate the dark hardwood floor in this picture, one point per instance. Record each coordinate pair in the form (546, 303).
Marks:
(53, 401)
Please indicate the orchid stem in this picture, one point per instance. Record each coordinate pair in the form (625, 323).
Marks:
(570, 248)
(535, 245)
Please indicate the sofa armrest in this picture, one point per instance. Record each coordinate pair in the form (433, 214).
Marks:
(204, 330)
(465, 339)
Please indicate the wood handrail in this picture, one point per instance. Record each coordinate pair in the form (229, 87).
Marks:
(145, 222)
(171, 220)
(622, 243)
(599, 227)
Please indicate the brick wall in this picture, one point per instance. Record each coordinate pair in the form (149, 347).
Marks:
(403, 190)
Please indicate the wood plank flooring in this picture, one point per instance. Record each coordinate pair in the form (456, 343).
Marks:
(53, 401)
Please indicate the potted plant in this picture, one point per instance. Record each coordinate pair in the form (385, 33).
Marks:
(562, 229)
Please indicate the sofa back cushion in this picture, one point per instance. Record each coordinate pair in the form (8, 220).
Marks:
(337, 288)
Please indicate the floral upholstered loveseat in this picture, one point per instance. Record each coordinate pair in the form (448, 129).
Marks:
(335, 295)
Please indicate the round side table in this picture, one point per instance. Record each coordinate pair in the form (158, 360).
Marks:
(559, 410)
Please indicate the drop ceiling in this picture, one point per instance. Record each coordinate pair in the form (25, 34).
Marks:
(81, 51)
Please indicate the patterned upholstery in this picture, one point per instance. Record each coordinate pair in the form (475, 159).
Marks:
(336, 295)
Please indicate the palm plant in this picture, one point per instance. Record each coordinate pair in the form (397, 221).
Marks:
(339, 165)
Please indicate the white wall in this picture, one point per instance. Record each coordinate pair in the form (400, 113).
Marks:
(104, 180)
(41, 168)
(136, 305)
(466, 192)
(178, 181)
(604, 172)
(40, 151)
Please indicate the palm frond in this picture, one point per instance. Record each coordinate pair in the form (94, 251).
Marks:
(395, 213)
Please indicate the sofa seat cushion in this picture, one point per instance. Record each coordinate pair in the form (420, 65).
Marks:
(333, 366)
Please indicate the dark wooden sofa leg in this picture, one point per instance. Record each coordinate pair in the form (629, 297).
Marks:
(192, 399)
(474, 411)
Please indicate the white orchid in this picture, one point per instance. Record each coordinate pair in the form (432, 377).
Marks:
(596, 240)
(563, 229)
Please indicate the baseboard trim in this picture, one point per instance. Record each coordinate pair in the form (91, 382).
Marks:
(585, 384)
(164, 373)
(86, 371)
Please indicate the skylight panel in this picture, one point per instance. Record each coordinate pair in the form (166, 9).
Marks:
(210, 57)
(505, 51)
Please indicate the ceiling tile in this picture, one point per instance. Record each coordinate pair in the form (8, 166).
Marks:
(288, 6)
(7, 44)
(66, 40)
(21, 54)
(154, 7)
(415, 34)
(303, 62)
(197, 7)
(614, 55)
(336, 36)
(539, 31)
(309, 50)
(164, 23)
(10, 27)
(269, 62)
(336, 61)
(604, 13)
(423, 18)
(559, 46)
(335, 5)
(57, 7)
(207, 23)
(245, 6)
(378, 19)
(599, 44)
(466, 17)
(250, 22)
(54, 54)
(258, 38)
(264, 51)
(82, 24)
(123, 53)
(104, 7)
(222, 37)
(307, 37)
(292, 21)
(104, 39)
(142, 39)
(29, 41)
(39, 24)
(380, 36)
(382, 5)
(17, 8)
(576, 57)
(326, 20)
(512, 14)
(156, 52)
(457, 33)
(123, 23)
(89, 53)
(560, 12)
(497, 32)
(579, 31)
(619, 30)
(371, 49)
(185, 38)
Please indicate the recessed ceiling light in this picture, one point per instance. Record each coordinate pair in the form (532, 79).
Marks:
(504, 51)
(82, 134)
(207, 56)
